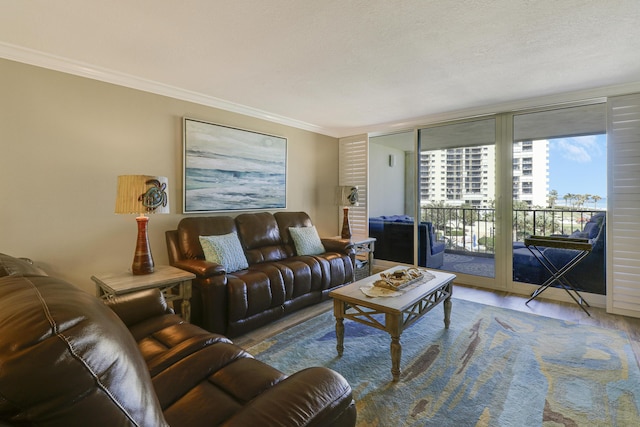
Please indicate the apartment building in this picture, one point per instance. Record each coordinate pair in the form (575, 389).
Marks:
(466, 175)
(531, 172)
(458, 176)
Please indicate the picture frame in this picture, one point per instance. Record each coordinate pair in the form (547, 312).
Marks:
(231, 169)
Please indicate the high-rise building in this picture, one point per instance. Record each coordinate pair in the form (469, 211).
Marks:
(531, 172)
(466, 175)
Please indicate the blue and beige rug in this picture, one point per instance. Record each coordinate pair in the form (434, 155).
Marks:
(492, 367)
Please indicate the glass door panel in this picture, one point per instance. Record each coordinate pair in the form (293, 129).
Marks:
(456, 187)
(392, 197)
(559, 189)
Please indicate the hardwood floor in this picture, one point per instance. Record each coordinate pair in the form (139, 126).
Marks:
(543, 307)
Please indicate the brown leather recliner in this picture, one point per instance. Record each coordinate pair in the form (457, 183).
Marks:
(277, 282)
(67, 359)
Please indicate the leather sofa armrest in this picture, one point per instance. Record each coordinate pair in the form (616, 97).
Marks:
(312, 397)
(338, 245)
(200, 267)
(136, 307)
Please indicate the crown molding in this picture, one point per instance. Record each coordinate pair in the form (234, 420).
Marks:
(587, 95)
(65, 65)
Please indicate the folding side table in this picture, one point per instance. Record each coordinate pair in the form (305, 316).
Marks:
(582, 248)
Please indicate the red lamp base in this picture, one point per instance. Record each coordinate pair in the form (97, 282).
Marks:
(346, 227)
(142, 260)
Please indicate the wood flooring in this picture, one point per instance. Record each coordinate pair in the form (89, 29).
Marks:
(543, 307)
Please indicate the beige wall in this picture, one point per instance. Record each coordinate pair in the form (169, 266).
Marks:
(65, 139)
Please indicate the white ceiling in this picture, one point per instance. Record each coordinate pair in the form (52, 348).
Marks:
(337, 67)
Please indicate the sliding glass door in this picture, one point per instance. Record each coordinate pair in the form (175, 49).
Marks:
(560, 189)
(462, 196)
(457, 191)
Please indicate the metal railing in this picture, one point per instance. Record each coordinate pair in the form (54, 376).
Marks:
(473, 229)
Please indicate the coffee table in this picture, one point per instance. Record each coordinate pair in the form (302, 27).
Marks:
(391, 314)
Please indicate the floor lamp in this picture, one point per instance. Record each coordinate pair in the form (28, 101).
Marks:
(142, 194)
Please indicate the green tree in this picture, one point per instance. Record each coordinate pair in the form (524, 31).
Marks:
(528, 224)
(522, 221)
(438, 216)
(595, 199)
(469, 214)
(580, 199)
(551, 198)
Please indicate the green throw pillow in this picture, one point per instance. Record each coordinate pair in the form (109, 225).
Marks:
(225, 250)
(306, 240)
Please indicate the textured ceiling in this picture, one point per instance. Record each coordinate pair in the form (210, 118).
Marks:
(335, 65)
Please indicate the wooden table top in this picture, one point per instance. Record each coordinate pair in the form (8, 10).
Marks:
(352, 293)
(122, 282)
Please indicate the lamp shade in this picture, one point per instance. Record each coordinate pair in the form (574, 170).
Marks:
(347, 195)
(142, 194)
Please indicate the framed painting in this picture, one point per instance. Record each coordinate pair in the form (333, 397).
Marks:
(230, 169)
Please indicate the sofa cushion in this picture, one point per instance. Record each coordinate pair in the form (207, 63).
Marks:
(189, 230)
(287, 220)
(591, 230)
(394, 218)
(260, 236)
(306, 240)
(579, 234)
(225, 250)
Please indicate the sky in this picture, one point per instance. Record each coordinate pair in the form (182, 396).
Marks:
(578, 165)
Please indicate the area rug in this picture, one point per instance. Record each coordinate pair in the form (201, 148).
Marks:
(492, 367)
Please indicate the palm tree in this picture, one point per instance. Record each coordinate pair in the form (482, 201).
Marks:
(580, 199)
(552, 197)
(568, 198)
(595, 199)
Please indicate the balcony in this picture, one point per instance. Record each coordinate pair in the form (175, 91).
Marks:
(468, 234)
(458, 226)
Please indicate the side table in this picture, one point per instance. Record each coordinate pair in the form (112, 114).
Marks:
(164, 277)
(579, 247)
(365, 247)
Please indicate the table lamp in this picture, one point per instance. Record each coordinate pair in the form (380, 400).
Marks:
(142, 194)
(348, 196)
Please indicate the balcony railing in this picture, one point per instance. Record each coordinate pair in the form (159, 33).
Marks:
(473, 229)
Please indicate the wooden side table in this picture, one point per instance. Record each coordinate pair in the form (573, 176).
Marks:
(164, 277)
(365, 247)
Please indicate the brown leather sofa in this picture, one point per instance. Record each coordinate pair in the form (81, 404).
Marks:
(277, 281)
(67, 359)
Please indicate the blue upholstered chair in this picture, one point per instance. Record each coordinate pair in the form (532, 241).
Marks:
(434, 250)
(588, 276)
(394, 241)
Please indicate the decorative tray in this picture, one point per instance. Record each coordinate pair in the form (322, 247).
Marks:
(399, 279)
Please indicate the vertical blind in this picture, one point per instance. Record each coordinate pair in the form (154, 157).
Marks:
(352, 170)
(623, 248)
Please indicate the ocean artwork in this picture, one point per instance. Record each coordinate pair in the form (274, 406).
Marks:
(228, 169)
